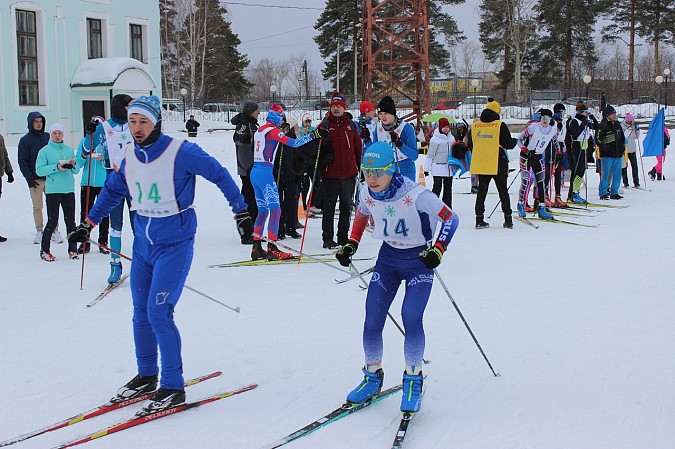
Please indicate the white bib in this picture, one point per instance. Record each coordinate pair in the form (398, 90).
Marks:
(151, 184)
(585, 134)
(259, 146)
(539, 141)
(384, 136)
(115, 141)
(397, 222)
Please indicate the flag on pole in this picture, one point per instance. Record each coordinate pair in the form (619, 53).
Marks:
(653, 143)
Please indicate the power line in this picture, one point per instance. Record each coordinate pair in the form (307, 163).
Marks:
(271, 6)
(278, 34)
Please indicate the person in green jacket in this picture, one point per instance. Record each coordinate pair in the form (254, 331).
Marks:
(91, 185)
(56, 161)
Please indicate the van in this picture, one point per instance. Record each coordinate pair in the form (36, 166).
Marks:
(546, 97)
(173, 104)
(221, 107)
(472, 106)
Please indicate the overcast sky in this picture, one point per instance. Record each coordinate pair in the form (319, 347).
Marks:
(278, 33)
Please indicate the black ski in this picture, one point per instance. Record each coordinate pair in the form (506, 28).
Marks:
(339, 413)
(558, 221)
(108, 289)
(402, 430)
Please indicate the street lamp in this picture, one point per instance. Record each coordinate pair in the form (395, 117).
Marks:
(666, 72)
(273, 89)
(183, 93)
(474, 83)
(658, 80)
(587, 80)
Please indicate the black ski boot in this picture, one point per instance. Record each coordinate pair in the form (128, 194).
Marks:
(508, 221)
(162, 400)
(137, 386)
(257, 253)
(480, 223)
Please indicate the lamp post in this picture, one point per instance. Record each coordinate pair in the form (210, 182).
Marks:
(658, 80)
(587, 80)
(273, 89)
(183, 93)
(474, 84)
(666, 73)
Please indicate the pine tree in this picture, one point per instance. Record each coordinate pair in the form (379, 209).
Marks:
(656, 23)
(622, 21)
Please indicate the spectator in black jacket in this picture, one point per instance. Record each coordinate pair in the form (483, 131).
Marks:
(611, 141)
(580, 145)
(246, 123)
(5, 168)
(29, 147)
(192, 126)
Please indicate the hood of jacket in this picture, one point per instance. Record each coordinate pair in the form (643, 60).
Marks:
(32, 116)
(438, 136)
(488, 115)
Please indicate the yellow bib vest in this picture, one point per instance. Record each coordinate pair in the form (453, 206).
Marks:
(485, 153)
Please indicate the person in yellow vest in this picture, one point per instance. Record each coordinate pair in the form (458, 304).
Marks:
(489, 141)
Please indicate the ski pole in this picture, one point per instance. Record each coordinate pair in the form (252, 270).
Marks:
(507, 189)
(316, 259)
(644, 177)
(398, 326)
(234, 309)
(86, 204)
(440, 279)
(309, 201)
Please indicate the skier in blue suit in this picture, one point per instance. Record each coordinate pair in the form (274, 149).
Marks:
(159, 173)
(405, 216)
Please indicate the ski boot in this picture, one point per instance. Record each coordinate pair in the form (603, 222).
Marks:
(652, 174)
(508, 222)
(412, 392)
(162, 399)
(137, 386)
(115, 271)
(544, 214)
(84, 248)
(480, 223)
(273, 253)
(47, 256)
(559, 202)
(369, 387)
(521, 210)
(101, 249)
(257, 253)
(577, 199)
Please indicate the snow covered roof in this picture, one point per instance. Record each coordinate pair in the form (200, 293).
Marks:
(120, 73)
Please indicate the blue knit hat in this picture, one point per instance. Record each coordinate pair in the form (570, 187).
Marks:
(147, 106)
(379, 155)
(275, 114)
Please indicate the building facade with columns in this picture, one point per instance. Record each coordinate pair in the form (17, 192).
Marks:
(68, 58)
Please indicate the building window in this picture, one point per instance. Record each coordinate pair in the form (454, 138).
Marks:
(27, 58)
(95, 39)
(136, 34)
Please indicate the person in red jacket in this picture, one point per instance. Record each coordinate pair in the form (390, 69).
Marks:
(339, 177)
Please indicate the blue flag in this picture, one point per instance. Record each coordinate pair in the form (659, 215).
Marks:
(653, 143)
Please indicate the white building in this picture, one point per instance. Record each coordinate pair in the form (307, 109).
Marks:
(68, 58)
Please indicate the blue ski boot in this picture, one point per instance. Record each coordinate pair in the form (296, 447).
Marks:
(115, 272)
(412, 392)
(544, 214)
(369, 387)
(577, 199)
(521, 210)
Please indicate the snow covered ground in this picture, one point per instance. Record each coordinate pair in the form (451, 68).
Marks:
(578, 322)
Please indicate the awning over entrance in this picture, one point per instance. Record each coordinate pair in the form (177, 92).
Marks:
(125, 74)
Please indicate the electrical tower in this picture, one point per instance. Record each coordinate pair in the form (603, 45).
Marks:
(396, 54)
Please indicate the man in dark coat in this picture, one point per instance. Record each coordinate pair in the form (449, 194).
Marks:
(246, 123)
(192, 126)
(29, 147)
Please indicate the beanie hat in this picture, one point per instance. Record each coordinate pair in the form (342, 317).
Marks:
(493, 105)
(55, 127)
(275, 113)
(558, 107)
(292, 122)
(546, 112)
(460, 124)
(443, 122)
(118, 106)
(386, 104)
(366, 106)
(379, 155)
(147, 106)
(249, 107)
(581, 107)
(629, 117)
(337, 98)
(609, 110)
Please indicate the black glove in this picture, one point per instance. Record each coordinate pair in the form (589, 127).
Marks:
(244, 224)
(81, 232)
(10, 178)
(397, 140)
(432, 257)
(32, 184)
(426, 173)
(346, 251)
(91, 127)
(365, 134)
(67, 166)
(315, 134)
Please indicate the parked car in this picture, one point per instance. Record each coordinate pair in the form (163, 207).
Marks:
(221, 107)
(265, 105)
(173, 104)
(547, 97)
(448, 104)
(588, 102)
(470, 104)
(311, 105)
(642, 100)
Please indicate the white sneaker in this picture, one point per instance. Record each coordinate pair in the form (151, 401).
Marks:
(38, 238)
(56, 237)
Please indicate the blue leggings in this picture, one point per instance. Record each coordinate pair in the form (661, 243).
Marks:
(158, 275)
(392, 267)
(267, 200)
(116, 222)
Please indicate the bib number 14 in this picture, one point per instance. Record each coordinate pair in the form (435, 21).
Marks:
(400, 228)
(153, 193)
